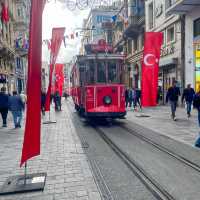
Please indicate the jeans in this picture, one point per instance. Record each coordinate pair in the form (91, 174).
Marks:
(173, 107)
(189, 107)
(4, 113)
(17, 117)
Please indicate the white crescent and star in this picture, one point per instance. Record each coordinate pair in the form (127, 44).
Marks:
(147, 56)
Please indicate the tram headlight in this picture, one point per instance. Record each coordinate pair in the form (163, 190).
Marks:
(107, 100)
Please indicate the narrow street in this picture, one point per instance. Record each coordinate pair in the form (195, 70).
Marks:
(81, 165)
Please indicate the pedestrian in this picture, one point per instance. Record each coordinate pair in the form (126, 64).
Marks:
(159, 94)
(173, 94)
(23, 97)
(196, 105)
(51, 98)
(16, 106)
(57, 101)
(127, 97)
(43, 99)
(138, 98)
(188, 95)
(4, 106)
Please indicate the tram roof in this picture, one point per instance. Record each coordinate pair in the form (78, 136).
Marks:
(103, 56)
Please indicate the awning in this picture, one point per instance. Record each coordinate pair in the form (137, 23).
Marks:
(182, 6)
(168, 61)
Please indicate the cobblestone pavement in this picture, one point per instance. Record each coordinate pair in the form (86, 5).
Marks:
(68, 173)
(159, 120)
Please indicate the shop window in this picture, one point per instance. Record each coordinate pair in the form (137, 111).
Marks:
(164, 38)
(171, 34)
(197, 27)
(150, 16)
(129, 46)
(136, 44)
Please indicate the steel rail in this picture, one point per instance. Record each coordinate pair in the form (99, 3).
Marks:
(162, 148)
(151, 184)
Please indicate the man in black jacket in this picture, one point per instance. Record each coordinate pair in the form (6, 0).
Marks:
(188, 95)
(173, 94)
(4, 105)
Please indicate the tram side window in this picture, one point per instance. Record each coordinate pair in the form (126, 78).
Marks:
(91, 71)
(112, 72)
(101, 72)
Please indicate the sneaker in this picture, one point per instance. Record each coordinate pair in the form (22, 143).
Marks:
(174, 118)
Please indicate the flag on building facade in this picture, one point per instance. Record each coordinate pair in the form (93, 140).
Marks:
(150, 67)
(57, 38)
(31, 144)
(59, 78)
(5, 12)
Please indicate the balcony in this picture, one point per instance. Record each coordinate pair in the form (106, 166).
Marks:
(136, 25)
(182, 6)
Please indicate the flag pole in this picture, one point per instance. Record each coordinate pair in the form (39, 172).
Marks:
(49, 121)
(25, 173)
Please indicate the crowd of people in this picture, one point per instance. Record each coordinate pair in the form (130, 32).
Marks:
(16, 103)
(133, 97)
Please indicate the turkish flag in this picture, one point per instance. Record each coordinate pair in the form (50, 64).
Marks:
(5, 12)
(31, 145)
(150, 67)
(59, 81)
(57, 37)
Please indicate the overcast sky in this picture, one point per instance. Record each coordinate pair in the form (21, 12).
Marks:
(57, 15)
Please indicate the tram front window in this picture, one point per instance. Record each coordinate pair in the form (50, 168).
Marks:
(112, 72)
(101, 72)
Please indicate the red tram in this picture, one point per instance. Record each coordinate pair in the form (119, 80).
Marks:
(97, 88)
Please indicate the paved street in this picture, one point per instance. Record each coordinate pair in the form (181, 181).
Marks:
(68, 173)
(62, 157)
(184, 129)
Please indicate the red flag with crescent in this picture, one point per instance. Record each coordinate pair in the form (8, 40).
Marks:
(57, 38)
(59, 75)
(150, 67)
(31, 144)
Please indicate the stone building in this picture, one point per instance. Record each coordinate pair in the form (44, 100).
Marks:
(98, 26)
(13, 43)
(172, 57)
(134, 34)
(190, 13)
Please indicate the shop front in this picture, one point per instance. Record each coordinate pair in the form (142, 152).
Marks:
(135, 66)
(167, 75)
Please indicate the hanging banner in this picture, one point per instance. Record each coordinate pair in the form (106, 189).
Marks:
(59, 81)
(150, 67)
(57, 37)
(31, 145)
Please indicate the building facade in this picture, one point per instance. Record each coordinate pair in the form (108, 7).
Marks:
(171, 66)
(98, 26)
(14, 43)
(190, 12)
(134, 34)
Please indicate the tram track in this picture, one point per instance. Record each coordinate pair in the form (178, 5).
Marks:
(160, 147)
(150, 180)
(151, 184)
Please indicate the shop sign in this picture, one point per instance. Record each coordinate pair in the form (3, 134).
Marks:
(168, 50)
